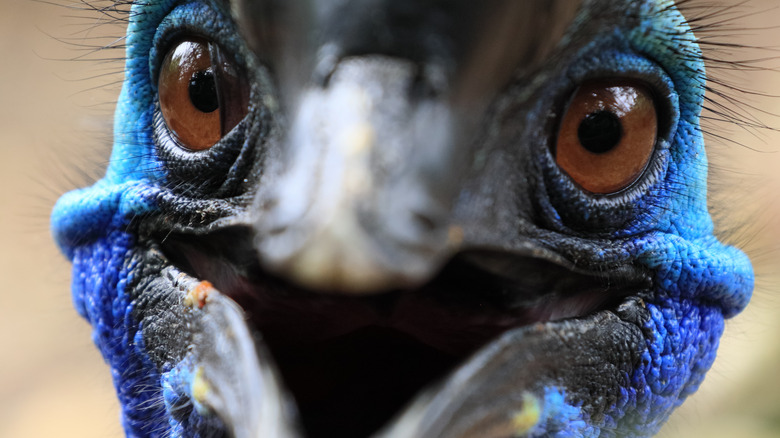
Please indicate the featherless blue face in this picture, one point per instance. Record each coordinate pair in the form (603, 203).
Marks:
(434, 219)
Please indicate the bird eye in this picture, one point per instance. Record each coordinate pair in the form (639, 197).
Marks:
(203, 94)
(607, 135)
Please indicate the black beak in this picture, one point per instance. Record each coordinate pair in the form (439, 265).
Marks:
(382, 100)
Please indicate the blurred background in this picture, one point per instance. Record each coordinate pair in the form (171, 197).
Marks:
(55, 120)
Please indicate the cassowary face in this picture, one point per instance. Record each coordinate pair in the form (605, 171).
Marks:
(412, 218)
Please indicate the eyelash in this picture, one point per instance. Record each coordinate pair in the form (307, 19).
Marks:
(713, 25)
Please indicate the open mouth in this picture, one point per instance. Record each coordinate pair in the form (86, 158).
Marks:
(351, 363)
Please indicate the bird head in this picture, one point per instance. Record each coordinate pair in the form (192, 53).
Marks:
(404, 218)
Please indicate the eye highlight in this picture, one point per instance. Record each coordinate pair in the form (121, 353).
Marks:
(607, 135)
(203, 94)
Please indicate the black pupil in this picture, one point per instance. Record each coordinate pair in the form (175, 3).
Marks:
(600, 132)
(203, 91)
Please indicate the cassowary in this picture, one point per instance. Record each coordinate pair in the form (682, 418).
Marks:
(404, 218)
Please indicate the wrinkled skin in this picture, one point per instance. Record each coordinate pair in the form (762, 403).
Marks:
(464, 286)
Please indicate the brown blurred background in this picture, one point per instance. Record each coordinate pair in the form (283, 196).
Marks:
(52, 121)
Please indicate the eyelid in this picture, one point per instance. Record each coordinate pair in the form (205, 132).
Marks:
(190, 20)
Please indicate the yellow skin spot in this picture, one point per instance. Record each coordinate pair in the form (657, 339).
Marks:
(528, 417)
(455, 236)
(198, 295)
(200, 386)
(359, 140)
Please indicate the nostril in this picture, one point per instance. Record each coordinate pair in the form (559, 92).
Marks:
(428, 82)
(269, 204)
(275, 231)
(425, 222)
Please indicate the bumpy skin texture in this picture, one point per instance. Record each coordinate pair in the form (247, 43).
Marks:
(661, 225)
